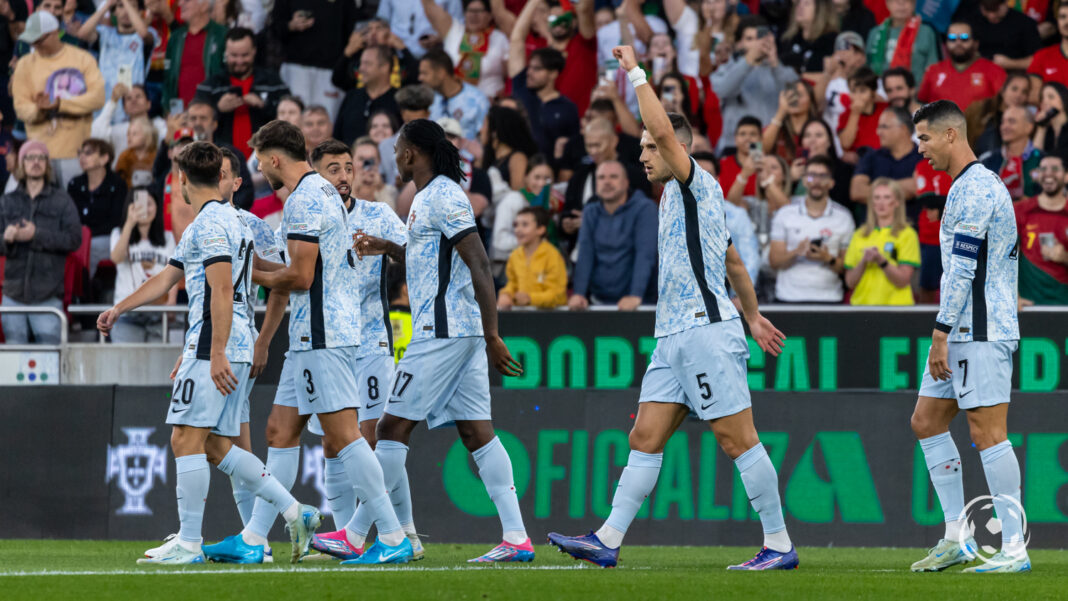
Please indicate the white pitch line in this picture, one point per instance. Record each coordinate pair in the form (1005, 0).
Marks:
(178, 571)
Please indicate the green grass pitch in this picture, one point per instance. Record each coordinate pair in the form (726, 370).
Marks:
(89, 570)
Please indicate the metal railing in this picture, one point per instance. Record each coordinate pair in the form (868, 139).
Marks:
(63, 325)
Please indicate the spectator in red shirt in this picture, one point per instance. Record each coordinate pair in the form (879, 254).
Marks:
(1042, 222)
(194, 52)
(931, 189)
(572, 31)
(746, 139)
(964, 77)
(1051, 63)
(857, 126)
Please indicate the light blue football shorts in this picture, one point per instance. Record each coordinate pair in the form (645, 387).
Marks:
(703, 368)
(196, 402)
(442, 380)
(982, 374)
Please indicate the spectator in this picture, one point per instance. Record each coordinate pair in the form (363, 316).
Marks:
(809, 240)
(98, 194)
(314, 34)
(931, 189)
(964, 77)
(601, 145)
(176, 214)
(552, 116)
(572, 33)
(689, 20)
(245, 96)
(414, 103)
(749, 84)
(1017, 157)
(984, 118)
(797, 105)
(739, 226)
(773, 188)
(895, 158)
(537, 276)
(408, 19)
(124, 47)
(404, 67)
(1050, 133)
(903, 40)
(135, 104)
(628, 149)
(140, 249)
(536, 192)
(1007, 37)
(290, 110)
(315, 125)
(899, 87)
(1050, 63)
(367, 180)
(1042, 222)
(884, 252)
(640, 28)
(817, 140)
(832, 86)
(746, 141)
(810, 36)
(65, 18)
(12, 19)
(617, 245)
(194, 53)
(453, 97)
(854, 16)
(55, 90)
(479, 51)
(40, 228)
(508, 145)
(376, 95)
(140, 152)
(857, 128)
(383, 125)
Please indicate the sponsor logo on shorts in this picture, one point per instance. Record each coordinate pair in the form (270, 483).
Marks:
(964, 394)
(134, 467)
(372, 406)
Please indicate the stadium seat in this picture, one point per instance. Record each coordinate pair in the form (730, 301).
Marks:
(75, 271)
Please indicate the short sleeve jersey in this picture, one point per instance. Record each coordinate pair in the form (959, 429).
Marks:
(267, 248)
(979, 258)
(692, 242)
(440, 291)
(328, 314)
(469, 107)
(378, 220)
(217, 235)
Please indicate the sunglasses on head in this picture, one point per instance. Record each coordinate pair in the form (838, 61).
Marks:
(953, 37)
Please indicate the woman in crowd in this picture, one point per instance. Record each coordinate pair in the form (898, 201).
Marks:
(810, 37)
(773, 190)
(688, 19)
(479, 51)
(816, 140)
(884, 252)
(984, 116)
(140, 153)
(140, 249)
(1050, 134)
(508, 145)
(797, 106)
(382, 126)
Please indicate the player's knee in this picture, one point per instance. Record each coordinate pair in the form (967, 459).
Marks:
(279, 435)
(644, 442)
(922, 425)
(368, 428)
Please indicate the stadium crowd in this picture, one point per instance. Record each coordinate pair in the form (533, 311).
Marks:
(802, 109)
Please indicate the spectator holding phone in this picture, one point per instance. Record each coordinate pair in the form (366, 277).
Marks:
(245, 96)
(1042, 222)
(40, 228)
(884, 252)
(314, 34)
(99, 194)
(749, 84)
(140, 249)
(817, 140)
(367, 184)
(809, 240)
(797, 105)
(124, 46)
(746, 145)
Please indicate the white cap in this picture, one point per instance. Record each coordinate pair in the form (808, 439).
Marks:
(451, 126)
(40, 24)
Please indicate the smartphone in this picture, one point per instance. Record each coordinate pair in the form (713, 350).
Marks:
(804, 154)
(756, 151)
(125, 75)
(235, 90)
(762, 31)
(140, 203)
(176, 107)
(818, 242)
(305, 14)
(1047, 239)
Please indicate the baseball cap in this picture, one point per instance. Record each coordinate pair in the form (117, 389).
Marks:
(451, 127)
(40, 24)
(847, 40)
(184, 133)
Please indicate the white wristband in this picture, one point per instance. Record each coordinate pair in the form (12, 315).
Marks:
(637, 77)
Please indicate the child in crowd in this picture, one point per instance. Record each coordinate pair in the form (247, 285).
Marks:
(140, 153)
(536, 273)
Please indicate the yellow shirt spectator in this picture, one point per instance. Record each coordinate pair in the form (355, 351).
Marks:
(543, 276)
(874, 287)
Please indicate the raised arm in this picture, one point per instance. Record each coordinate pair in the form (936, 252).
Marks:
(584, 11)
(631, 12)
(654, 116)
(473, 254)
(502, 17)
(517, 47)
(87, 31)
(439, 18)
(674, 9)
(138, 23)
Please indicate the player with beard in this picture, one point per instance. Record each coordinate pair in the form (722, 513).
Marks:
(699, 363)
